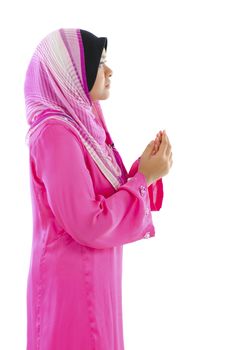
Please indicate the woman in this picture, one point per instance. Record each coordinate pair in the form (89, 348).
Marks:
(84, 207)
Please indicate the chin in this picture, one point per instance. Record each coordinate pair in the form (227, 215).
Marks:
(104, 96)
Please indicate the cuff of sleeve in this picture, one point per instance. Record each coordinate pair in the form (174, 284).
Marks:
(139, 183)
(155, 190)
(156, 194)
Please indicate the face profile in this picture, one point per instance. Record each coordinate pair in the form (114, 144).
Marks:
(101, 87)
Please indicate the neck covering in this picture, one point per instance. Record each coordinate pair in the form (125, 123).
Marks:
(58, 79)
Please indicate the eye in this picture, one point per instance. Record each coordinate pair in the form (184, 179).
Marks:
(102, 62)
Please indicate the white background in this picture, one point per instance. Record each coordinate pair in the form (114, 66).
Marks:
(172, 69)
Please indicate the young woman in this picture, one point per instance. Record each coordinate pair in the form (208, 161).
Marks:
(85, 204)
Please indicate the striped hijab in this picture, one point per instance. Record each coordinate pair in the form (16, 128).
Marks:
(56, 88)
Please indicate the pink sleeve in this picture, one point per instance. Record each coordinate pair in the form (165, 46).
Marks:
(91, 219)
(155, 190)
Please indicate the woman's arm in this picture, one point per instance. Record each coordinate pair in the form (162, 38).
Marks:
(92, 220)
(155, 190)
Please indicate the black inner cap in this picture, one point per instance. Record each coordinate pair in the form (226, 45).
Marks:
(93, 47)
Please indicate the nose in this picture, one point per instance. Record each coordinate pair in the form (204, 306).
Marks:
(109, 71)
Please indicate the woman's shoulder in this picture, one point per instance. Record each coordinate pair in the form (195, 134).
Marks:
(53, 128)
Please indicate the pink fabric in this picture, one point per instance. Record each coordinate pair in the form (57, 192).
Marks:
(80, 224)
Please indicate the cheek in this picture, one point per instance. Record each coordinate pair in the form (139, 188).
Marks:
(102, 79)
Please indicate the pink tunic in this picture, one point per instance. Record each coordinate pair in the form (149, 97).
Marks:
(80, 223)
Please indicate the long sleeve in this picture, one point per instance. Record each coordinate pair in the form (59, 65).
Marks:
(91, 219)
(155, 189)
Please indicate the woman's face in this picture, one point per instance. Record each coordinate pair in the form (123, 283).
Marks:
(99, 90)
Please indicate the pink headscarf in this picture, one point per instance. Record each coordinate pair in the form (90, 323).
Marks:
(56, 87)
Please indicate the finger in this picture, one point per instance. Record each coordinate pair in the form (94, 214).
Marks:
(167, 136)
(159, 135)
(155, 148)
(169, 142)
(169, 146)
(164, 143)
(158, 139)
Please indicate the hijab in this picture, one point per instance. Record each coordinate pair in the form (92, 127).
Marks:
(59, 77)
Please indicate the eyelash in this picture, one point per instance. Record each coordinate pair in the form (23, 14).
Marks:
(102, 62)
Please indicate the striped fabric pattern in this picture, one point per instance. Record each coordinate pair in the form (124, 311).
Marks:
(55, 87)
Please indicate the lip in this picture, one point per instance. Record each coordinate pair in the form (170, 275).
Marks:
(108, 85)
